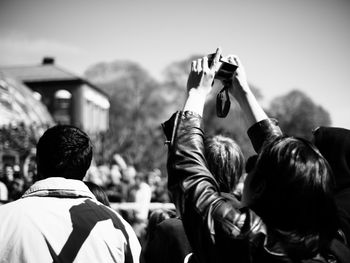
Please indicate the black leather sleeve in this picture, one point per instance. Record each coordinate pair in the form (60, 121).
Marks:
(263, 131)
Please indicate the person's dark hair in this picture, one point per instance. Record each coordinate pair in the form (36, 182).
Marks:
(225, 161)
(155, 218)
(334, 144)
(63, 151)
(292, 187)
(98, 192)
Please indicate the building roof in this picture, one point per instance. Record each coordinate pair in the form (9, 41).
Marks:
(38, 73)
(45, 72)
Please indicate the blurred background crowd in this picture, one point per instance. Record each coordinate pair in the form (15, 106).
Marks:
(115, 176)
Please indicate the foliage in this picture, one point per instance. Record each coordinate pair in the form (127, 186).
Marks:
(298, 115)
(135, 114)
(18, 139)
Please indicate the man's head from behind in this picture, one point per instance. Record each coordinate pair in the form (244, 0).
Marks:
(225, 161)
(63, 151)
(290, 187)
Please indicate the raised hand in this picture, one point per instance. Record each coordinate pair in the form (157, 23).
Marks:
(200, 82)
(202, 76)
(239, 80)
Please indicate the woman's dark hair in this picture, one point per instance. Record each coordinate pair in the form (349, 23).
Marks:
(292, 184)
(334, 144)
(155, 218)
(98, 192)
(225, 161)
(64, 151)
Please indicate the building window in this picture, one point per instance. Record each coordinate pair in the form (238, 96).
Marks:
(37, 95)
(62, 107)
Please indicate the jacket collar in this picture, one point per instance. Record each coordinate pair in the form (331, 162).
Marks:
(59, 187)
(283, 243)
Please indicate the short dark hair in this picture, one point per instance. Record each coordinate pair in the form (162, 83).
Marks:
(64, 151)
(225, 161)
(98, 192)
(297, 187)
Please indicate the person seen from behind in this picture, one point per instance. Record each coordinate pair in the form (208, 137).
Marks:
(288, 212)
(58, 219)
(167, 242)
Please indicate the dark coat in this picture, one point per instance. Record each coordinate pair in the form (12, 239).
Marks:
(334, 144)
(169, 243)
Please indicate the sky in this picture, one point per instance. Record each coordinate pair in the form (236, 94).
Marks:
(283, 44)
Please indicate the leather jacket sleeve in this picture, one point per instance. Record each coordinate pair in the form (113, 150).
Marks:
(262, 132)
(213, 225)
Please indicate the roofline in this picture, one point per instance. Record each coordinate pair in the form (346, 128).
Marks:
(74, 78)
(18, 66)
(77, 80)
(95, 87)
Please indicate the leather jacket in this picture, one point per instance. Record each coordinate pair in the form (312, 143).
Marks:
(217, 230)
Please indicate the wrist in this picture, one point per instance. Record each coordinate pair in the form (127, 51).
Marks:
(195, 101)
(197, 93)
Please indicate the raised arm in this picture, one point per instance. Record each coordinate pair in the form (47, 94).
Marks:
(211, 222)
(240, 89)
(261, 127)
(199, 83)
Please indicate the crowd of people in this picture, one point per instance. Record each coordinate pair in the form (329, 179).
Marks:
(120, 181)
(116, 177)
(287, 203)
(17, 148)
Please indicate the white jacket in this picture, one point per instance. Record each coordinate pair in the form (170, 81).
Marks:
(59, 220)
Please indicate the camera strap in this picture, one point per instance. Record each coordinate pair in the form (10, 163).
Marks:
(223, 102)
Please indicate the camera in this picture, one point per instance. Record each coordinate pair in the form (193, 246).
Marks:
(226, 69)
(225, 75)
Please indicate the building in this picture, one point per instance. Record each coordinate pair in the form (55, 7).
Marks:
(70, 99)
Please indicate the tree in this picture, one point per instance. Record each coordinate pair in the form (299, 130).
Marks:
(135, 113)
(298, 115)
(175, 81)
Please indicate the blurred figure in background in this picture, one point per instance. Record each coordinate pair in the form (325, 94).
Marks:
(98, 192)
(16, 189)
(3, 192)
(165, 238)
(140, 193)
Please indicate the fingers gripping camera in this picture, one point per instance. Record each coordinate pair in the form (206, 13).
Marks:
(225, 75)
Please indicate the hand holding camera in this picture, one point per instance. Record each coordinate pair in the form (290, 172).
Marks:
(225, 74)
(239, 82)
(226, 69)
(199, 83)
(203, 73)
